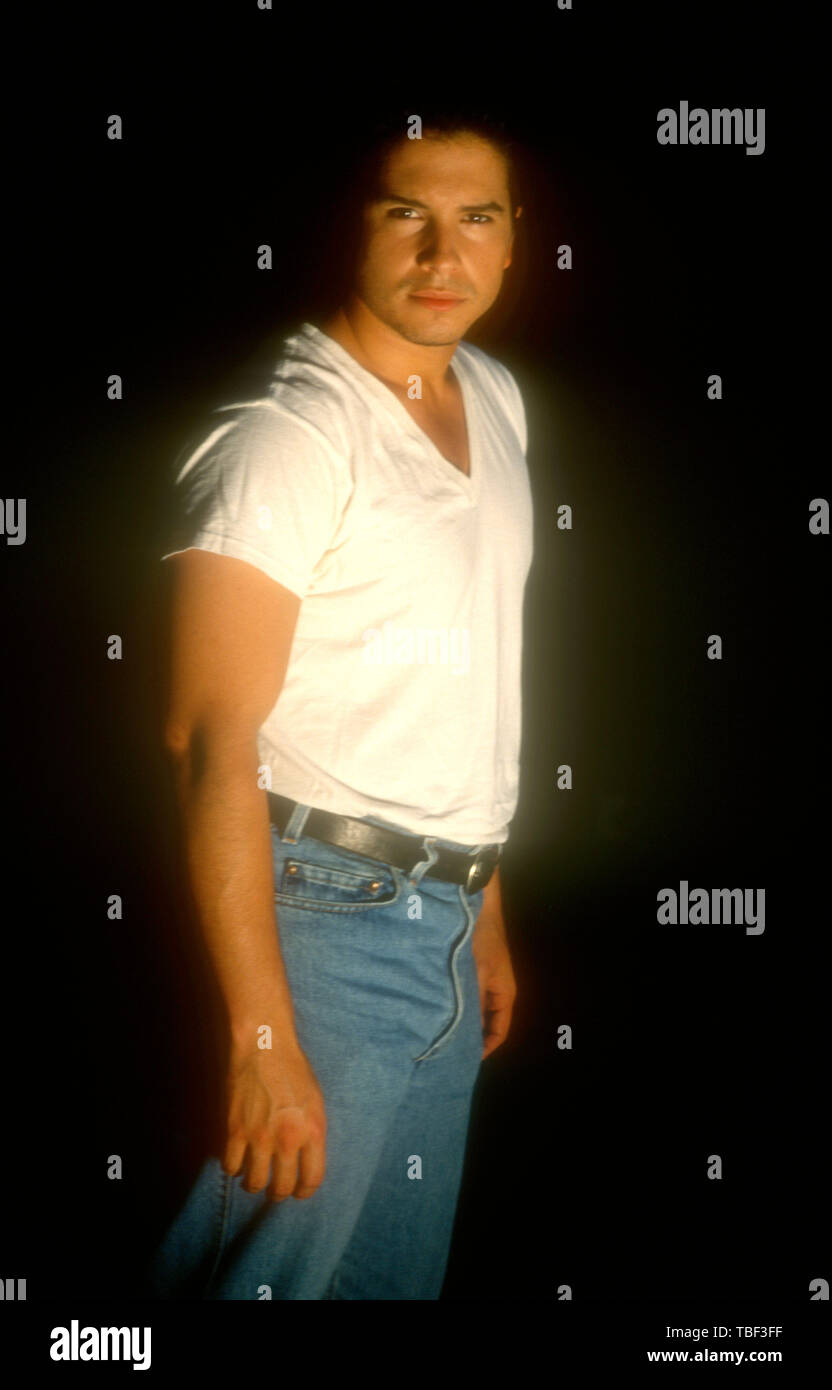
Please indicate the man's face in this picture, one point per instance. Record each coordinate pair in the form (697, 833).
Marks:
(441, 222)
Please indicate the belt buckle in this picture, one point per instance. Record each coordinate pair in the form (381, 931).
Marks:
(481, 862)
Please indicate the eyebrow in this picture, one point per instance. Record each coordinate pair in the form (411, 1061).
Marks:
(415, 203)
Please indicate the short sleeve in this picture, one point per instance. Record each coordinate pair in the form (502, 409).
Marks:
(264, 486)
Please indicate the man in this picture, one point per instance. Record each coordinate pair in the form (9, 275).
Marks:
(344, 725)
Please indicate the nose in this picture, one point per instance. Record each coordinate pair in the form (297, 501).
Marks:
(438, 250)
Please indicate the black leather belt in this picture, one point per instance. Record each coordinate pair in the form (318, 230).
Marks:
(389, 846)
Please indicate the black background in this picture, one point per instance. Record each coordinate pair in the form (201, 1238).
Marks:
(586, 1167)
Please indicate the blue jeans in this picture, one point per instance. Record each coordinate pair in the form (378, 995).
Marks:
(386, 1003)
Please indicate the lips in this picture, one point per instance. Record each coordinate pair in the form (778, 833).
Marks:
(437, 294)
(437, 302)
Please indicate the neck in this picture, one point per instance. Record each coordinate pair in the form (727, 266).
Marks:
(389, 356)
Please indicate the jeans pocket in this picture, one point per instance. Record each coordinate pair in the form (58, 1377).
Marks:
(327, 879)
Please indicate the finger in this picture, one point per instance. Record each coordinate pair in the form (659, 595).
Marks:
(235, 1152)
(258, 1169)
(311, 1169)
(285, 1176)
(496, 1030)
(499, 1016)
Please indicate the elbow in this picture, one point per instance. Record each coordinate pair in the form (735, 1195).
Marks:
(214, 744)
(177, 741)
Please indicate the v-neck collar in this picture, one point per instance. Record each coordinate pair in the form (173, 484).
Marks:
(468, 483)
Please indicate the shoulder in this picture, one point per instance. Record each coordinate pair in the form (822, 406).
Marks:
(297, 387)
(495, 379)
(307, 392)
(294, 406)
(490, 374)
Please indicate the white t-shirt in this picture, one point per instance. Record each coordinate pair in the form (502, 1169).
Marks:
(401, 700)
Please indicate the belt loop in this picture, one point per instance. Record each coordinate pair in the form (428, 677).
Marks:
(294, 827)
(420, 869)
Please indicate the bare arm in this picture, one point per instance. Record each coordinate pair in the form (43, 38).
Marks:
(495, 973)
(231, 629)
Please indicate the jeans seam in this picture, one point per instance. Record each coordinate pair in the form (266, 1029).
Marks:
(459, 1004)
(226, 1203)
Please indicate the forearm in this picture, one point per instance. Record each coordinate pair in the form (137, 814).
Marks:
(227, 848)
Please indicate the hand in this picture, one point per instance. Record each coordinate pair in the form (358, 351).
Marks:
(275, 1108)
(495, 976)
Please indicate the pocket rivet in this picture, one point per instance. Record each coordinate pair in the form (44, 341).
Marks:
(292, 869)
(375, 885)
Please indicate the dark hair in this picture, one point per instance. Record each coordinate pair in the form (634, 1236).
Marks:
(370, 141)
(387, 130)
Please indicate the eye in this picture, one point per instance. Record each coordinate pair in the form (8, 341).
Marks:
(481, 217)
